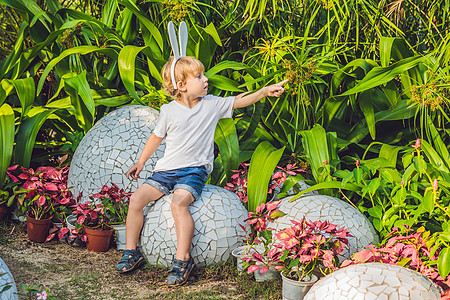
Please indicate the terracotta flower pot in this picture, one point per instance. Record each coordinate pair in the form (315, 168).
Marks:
(37, 230)
(98, 240)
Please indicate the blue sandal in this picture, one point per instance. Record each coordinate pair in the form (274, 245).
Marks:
(179, 273)
(131, 259)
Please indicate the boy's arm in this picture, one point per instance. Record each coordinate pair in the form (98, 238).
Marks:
(150, 147)
(274, 90)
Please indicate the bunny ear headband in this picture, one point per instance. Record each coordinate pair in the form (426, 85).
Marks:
(177, 52)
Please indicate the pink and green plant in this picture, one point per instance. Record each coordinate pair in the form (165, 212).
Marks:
(261, 238)
(115, 201)
(89, 215)
(45, 192)
(239, 181)
(413, 250)
(305, 247)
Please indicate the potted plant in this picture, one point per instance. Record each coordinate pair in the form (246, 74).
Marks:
(92, 226)
(43, 196)
(304, 249)
(261, 241)
(115, 201)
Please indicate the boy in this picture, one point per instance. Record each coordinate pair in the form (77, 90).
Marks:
(188, 124)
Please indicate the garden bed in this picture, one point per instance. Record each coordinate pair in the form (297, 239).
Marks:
(75, 273)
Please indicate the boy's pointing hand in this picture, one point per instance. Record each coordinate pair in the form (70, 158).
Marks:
(275, 90)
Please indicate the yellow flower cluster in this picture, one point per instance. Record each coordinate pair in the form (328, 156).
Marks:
(178, 9)
(327, 4)
(299, 74)
(68, 36)
(429, 95)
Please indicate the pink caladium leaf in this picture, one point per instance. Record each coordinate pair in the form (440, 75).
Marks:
(271, 206)
(84, 238)
(41, 200)
(50, 237)
(279, 268)
(363, 256)
(263, 269)
(252, 269)
(258, 257)
(81, 219)
(51, 187)
(62, 232)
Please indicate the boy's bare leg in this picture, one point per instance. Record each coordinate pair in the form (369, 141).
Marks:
(135, 218)
(184, 223)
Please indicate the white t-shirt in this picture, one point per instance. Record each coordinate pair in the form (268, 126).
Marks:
(189, 132)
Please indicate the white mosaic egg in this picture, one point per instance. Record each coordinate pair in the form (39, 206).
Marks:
(110, 148)
(373, 281)
(333, 210)
(217, 214)
(6, 279)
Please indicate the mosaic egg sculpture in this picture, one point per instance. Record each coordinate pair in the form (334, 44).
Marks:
(6, 279)
(110, 148)
(333, 210)
(373, 281)
(217, 215)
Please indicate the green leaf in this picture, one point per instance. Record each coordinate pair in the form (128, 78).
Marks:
(27, 133)
(83, 50)
(224, 83)
(84, 105)
(428, 201)
(226, 139)
(262, 164)
(6, 139)
(211, 30)
(126, 60)
(381, 75)
(444, 262)
(376, 212)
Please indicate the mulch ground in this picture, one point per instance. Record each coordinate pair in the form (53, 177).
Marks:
(75, 273)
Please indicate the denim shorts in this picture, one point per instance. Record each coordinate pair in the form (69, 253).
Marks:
(191, 179)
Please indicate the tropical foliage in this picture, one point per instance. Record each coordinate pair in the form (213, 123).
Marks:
(366, 80)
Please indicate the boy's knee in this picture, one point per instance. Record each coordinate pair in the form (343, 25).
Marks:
(181, 199)
(136, 201)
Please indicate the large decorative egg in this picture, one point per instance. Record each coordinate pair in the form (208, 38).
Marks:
(374, 281)
(110, 148)
(217, 214)
(6, 279)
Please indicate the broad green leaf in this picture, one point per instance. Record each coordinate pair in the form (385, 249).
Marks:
(27, 133)
(376, 212)
(262, 164)
(108, 12)
(6, 139)
(223, 65)
(224, 83)
(381, 75)
(211, 30)
(81, 98)
(428, 201)
(226, 139)
(127, 59)
(83, 50)
(444, 262)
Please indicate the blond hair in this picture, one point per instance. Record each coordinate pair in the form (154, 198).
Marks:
(184, 67)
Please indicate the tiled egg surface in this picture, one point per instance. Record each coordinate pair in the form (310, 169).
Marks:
(110, 148)
(6, 278)
(336, 211)
(373, 281)
(217, 214)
